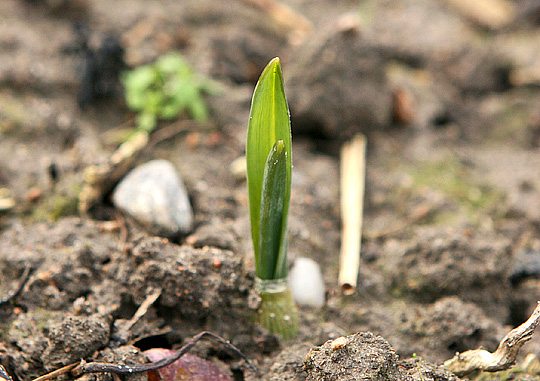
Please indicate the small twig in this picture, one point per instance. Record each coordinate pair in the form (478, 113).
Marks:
(97, 367)
(123, 331)
(4, 375)
(353, 178)
(143, 308)
(124, 232)
(100, 179)
(505, 355)
(57, 372)
(24, 279)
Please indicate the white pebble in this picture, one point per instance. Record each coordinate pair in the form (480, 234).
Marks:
(306, 282)
(155, 195)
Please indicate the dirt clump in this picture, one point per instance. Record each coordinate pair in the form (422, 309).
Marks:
(442, 262)
(288, 365)
(357, 357)
(191, 282)
(75, 337)
(452, 324)
(333, 110)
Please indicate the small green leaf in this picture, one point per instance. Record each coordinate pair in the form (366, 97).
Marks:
(173, 63)
(137, 82)
(271, 223)
(268, 123)
(197, 110)
(169, 110)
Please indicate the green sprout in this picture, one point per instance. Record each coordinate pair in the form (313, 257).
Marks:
(165, 89)
(269, 168)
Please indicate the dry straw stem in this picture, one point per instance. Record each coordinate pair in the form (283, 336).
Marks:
(490, 14)
(503, 358)
(353, 178)
(124, 329)
(58, 372)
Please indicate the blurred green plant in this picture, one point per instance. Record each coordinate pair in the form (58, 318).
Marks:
(165, 89)
(269, 168)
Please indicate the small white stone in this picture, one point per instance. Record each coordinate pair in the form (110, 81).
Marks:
(306, 282)
(238, 168)
(155, 195)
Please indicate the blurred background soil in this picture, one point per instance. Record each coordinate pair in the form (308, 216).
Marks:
(448, 96)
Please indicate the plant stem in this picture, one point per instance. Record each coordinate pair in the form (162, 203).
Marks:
(278, 312)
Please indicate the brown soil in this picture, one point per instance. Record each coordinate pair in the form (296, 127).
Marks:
(450, 256)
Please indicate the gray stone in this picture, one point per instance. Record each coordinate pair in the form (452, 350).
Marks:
(155, 196)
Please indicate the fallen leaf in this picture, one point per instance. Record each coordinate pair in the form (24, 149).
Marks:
(188, 367)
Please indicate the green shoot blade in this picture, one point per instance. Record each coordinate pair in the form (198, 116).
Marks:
(268, 123)
(271, 218)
